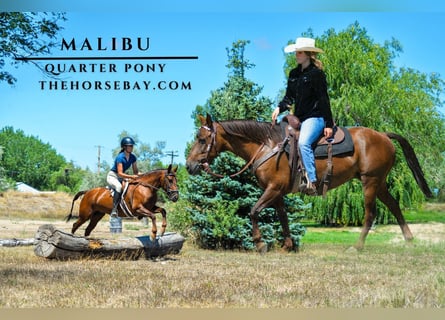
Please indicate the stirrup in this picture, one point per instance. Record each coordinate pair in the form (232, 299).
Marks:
(308, 188)
(113, 213)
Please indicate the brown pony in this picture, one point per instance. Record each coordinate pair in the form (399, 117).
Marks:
(371, 161)
(140, 198)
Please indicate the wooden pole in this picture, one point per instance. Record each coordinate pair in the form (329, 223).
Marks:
(17, 242)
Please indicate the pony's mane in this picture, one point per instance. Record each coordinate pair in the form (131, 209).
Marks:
(151, 172)
(253, 130)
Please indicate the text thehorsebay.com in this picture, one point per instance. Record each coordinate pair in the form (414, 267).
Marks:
(113, 64)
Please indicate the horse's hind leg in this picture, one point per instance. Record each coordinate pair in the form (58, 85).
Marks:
(80, 221)
(394, 207)
(95, 218)
(84, 215)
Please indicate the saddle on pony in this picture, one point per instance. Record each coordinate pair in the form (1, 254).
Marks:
(122, 203)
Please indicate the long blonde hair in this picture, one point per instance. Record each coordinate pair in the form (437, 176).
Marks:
(314, 60)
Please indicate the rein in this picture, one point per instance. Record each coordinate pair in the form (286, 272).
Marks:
(138, 183)
(205, 164)
(246, 166)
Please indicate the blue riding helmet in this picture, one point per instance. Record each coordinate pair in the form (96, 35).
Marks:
(127, 141)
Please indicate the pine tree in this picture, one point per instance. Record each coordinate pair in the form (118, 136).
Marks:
(220, 207)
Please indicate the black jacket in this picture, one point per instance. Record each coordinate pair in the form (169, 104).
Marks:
(307, 89)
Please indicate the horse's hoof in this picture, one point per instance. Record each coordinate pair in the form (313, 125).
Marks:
(353, 249)
(261, 248)
(288, 245)
(410, 243)
(285, 249)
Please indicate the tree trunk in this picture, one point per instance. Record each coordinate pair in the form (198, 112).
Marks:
(55, 244)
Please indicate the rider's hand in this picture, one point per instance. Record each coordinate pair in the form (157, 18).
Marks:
(275, 114)
(328, 133)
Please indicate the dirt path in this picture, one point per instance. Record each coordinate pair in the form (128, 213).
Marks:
(23, 229)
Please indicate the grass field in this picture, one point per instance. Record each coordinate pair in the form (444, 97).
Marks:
(326, 273)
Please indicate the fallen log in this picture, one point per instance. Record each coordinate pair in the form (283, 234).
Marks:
(55, 244)
(14, 242)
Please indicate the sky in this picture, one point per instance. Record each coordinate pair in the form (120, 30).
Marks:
(76, 122)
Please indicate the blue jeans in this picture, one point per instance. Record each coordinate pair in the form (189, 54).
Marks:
(310, 131)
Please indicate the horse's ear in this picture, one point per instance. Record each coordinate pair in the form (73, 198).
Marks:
(202, 119)
(209, 121)
(175, 169)
(169, 169)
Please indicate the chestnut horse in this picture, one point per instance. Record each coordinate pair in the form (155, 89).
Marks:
(371, 161)
(140, 197)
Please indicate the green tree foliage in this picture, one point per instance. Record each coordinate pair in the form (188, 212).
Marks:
(27, 159)
(218, 209)
(148, 158)
(94, 179)
(367, 89)
(24, 34)
(239, 98)
(5, 182)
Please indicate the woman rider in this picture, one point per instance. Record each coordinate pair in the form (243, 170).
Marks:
(124, 160)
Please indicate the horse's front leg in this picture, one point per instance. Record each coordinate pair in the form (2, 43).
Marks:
(288, 244)
(370, 186)
(267, 198)
(164, 218)
(147, 213)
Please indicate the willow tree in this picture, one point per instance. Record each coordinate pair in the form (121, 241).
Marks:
(367, 89)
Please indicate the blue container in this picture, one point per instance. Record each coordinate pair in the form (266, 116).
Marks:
(115, 224)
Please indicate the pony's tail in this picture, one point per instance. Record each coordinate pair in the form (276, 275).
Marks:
(77, 196)
(413, 163)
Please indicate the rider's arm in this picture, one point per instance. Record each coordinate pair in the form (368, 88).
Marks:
(122, 174)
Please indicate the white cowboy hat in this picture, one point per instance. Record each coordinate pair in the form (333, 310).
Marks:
(302, 44)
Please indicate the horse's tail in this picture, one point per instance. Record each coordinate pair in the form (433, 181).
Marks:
(413, 163)
(77, 196)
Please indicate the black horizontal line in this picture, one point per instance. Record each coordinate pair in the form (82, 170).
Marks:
(109, 58)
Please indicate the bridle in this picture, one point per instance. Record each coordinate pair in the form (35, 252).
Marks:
(204, 162)
(171, 194)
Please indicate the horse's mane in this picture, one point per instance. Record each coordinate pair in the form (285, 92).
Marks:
(253, 130)
(148, 173)
(154, 170)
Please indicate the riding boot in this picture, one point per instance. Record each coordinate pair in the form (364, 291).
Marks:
(116, 199)
(307, 187)
(311, 188)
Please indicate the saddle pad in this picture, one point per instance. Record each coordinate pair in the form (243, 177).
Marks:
(346, 146)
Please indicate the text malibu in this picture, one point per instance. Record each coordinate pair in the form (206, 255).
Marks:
(113, 44)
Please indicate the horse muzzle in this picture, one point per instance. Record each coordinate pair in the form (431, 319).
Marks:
(173, 195)
(194, 168)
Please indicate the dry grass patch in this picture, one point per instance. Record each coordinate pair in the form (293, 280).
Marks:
(390, 276)
(14, 204)
(385, 274)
